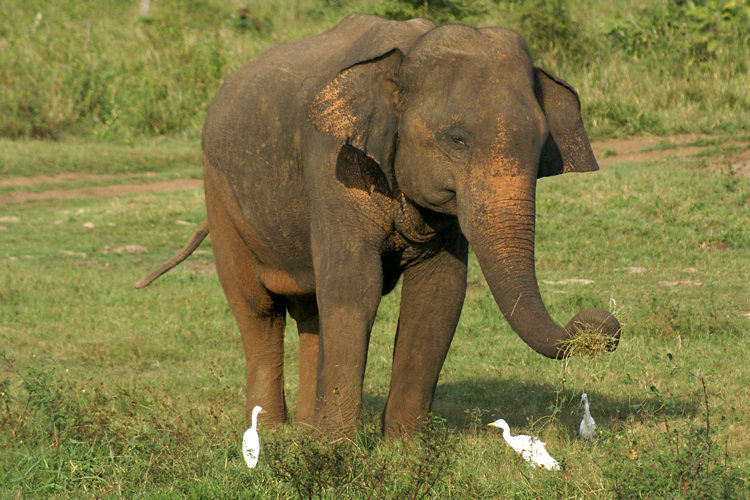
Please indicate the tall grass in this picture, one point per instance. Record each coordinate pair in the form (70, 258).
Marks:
(102, 69)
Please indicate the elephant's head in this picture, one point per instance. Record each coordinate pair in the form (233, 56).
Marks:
(463, 124)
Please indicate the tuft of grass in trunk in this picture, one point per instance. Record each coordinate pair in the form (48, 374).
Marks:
(587, 340)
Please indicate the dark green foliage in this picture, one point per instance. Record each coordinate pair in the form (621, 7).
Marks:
(99, 69)
(84, 436)
(430, 459)
(314, 466)
(62, 437)
(551, 30)
(440, 11)
(688, 464)
(685, 32)
(243, 20)
(84, 71)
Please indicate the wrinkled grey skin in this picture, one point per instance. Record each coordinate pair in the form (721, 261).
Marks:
(335, 165)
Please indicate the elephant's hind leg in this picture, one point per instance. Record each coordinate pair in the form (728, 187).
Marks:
(260, 316)
(308, 370)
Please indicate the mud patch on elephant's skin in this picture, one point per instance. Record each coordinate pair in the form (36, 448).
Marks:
(331, 110)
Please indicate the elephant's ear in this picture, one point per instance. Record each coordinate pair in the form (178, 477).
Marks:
(567, 148)
(359, 106)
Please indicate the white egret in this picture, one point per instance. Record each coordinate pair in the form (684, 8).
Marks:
(251, 441)
(531, 449)
(587, 428)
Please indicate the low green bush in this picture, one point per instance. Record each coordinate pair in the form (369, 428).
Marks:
(439, 11)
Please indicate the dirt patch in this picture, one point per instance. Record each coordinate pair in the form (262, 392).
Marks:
(608, 152)
(101, 191)
(638, 144)
(645, 148)
(650, 148)
(200, 266)
(736, 163)
(59, 178)
(578, 281)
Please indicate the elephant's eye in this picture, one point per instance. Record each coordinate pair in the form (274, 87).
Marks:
(458, 140)
(455, 139)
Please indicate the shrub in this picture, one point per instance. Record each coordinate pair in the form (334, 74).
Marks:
(314, 466)
(684, 32)
(440, 11)
(551, 31)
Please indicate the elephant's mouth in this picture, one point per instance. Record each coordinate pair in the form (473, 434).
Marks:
(418, 225)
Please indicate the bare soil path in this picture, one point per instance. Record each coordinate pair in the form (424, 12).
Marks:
(608, 152)
(651, 148)
(100, 191)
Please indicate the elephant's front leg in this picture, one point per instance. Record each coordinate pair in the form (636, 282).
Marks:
(432, 295)
(349, 283)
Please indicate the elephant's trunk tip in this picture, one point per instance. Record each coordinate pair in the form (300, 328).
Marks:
(590, 332)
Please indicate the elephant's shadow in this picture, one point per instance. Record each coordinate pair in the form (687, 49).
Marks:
(464, 404)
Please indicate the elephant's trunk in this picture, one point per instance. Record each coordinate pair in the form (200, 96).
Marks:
(500, 229)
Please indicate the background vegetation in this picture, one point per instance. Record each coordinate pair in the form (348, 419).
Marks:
(108, 391)
(107, 69)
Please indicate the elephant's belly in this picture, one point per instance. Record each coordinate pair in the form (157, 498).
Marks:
(283, 262)
(298, 290)
(276, 239)
(280, 282)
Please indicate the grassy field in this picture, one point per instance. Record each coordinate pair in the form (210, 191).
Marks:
(110, 391)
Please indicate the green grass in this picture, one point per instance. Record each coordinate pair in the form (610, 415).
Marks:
(106, 390)
(99, 69)
(109, 391)
(29, 158)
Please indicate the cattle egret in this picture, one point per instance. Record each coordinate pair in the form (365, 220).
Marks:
(587, 428)
(251, 441)
(531, 449)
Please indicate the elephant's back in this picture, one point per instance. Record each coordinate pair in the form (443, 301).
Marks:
(257, 127)
(266, 99)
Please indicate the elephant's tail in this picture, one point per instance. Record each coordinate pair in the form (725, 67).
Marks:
(198, 236)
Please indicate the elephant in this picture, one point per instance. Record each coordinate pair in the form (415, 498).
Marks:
(380, 150)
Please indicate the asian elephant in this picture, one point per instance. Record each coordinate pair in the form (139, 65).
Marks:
(381, 149)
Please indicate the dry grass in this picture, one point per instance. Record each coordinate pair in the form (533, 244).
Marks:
(589, 341)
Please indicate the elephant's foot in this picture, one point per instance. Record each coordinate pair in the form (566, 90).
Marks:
(338, 415)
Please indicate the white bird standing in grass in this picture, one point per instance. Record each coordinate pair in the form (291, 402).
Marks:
(251, 441)
(587, 428)
(531, 449)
